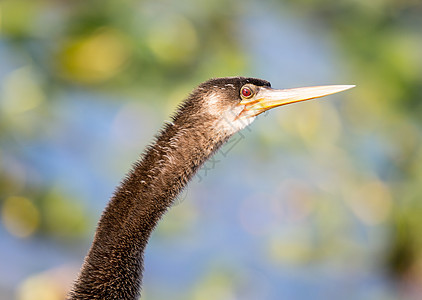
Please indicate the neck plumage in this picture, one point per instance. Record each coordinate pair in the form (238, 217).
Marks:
(114, 264)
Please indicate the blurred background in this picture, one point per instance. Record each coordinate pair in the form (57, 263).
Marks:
(318, 200)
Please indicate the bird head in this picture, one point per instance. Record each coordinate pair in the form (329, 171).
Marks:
(234, 102)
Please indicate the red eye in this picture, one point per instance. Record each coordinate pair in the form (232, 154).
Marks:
(246, 92)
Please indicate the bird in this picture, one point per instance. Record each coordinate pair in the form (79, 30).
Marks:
(213, 112)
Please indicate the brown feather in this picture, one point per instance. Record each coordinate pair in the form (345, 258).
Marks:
(113, 267)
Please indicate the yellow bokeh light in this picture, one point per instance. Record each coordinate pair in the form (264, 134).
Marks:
(17, 16)
(1, 17)
(21, 92)
(216, 286)
(296, 252)
(63, 216)
(174, 40)
(95, 58)
(371, 202)
(38, 287)
(308, 121)
(316, 123)
(20, 216)
(52, 284)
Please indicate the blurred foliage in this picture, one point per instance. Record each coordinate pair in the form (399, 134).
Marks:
(382, 44)
(154, 50)
(131, 43)
(123, 46)
(127, 48)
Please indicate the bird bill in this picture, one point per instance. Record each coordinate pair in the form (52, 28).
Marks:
(268, 98)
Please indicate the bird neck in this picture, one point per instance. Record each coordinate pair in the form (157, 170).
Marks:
(114, 264)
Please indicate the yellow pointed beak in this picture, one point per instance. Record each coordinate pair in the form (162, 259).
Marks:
(267, 98)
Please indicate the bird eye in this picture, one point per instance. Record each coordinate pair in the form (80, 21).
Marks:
(247, 92)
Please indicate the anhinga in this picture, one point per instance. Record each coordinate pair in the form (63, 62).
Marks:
(212, 113)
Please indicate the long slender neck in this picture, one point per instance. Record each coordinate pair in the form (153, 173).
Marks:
(114, 264)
